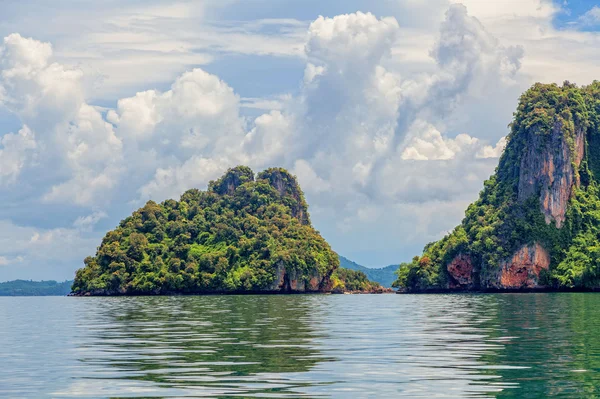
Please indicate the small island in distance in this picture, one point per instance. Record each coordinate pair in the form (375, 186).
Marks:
(242, 235)
(35, 288)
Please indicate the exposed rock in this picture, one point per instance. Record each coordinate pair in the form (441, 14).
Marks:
(291, 281)
(461, 271)
(234, 178)
(547, 168)
(314, 283)
(289, 190)
(524, 268)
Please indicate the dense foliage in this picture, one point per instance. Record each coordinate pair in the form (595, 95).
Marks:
(35, 288)
(343, 280)
(497, 224)
(230, 238)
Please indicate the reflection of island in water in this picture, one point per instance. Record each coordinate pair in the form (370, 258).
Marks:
(413, 346)
(551, 344)
(205, 345)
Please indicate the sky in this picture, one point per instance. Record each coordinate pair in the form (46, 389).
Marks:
(390, 113)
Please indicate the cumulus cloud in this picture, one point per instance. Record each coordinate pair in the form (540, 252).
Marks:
(48, 97)
(199, 111)
(16, 150)
(173, 181)
(492, 152)
(591, 17)
(41, 92)
(428, 143)
(469, 58)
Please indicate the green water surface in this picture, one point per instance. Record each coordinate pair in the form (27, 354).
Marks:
(313, 346)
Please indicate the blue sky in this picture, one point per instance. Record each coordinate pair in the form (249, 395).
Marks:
(391, 113)
(579, 14)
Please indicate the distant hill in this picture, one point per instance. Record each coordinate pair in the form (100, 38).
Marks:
(35, 288)
(384, 276)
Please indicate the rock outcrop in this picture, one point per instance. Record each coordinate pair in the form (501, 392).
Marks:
(288, 189)
(461, 271)
(293, 281)
(549, 167)
(232, 179)
(523, 269)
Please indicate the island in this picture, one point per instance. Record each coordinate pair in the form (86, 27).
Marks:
(245, 234)
(35, 288)
(536, 224)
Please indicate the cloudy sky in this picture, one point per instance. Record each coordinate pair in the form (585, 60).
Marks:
(390, 112)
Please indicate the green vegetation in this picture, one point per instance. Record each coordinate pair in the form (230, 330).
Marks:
(241, 235)
(353, 280)
(384, 275)
(501, 221)
(35, 288)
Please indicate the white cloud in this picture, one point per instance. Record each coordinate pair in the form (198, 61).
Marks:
(346, 41)
(268, 141)
(470, 59)
(173, 181)
(86, 223)
(309, 178)
(15, 152)
(93, 153)
(48, 96)
(492, 152)
(6, 261)
(200, 112)
(427, 143)
(114, 42)
(591, 17)
(59, 251)
(40, 92)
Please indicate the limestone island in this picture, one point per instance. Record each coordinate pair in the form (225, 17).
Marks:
(242, 235)
(536, 224)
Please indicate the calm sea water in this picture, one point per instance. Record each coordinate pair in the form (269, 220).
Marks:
(313, 346)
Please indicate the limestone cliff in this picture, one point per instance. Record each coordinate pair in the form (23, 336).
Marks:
(536, 223)
(523, 269)
(549, 168)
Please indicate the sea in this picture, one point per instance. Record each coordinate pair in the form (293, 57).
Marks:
(529, 345)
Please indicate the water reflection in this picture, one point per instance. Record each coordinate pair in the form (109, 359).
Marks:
(446, 346)
(556, 337)
(218, 345)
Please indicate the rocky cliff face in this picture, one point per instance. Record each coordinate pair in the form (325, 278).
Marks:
(461, 271)
(232, 179)
(523, 269)
(288, 189)
(549, 169)
(293, 281)
(536, 223)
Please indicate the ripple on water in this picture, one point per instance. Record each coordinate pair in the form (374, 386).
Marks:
(423, 346)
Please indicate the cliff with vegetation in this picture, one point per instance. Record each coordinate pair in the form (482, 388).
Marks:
(536, 224)
(244, 234)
